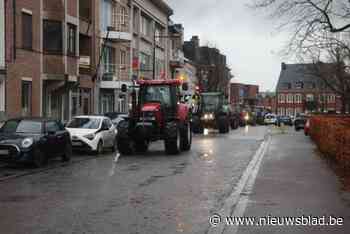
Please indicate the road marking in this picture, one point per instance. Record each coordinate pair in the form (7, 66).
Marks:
(236, 203)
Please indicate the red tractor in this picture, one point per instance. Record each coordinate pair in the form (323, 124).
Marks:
(156, 114)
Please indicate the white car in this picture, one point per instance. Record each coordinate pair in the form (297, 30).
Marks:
(93, 133)
(270, 119)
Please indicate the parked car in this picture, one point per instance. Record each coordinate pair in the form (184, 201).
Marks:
(34, 140)
(92, 133)
(286, 120)
(299, 122)
(117, 117)
(270, 119)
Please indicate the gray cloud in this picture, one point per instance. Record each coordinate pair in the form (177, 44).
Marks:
(243, 35)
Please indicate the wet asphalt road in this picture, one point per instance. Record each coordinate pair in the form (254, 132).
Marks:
(152, 193)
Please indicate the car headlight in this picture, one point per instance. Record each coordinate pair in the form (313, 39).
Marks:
(246, 118)
(27, 142)
(90, 136)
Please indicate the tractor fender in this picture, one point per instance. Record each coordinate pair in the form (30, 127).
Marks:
(182, 112)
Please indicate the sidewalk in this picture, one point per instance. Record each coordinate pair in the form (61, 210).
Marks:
(294, 181)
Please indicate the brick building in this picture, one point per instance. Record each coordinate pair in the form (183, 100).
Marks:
(213, 72)
(42, 58)
(243, 95)
(267, 101)
(66, 58)
(298, 91)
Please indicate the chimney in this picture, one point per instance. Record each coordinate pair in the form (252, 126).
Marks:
(283, 66)
(195, 39)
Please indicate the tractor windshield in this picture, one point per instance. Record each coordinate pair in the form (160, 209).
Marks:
(210, 103)
(158, 93)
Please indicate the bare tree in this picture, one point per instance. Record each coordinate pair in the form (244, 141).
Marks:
(330, 63)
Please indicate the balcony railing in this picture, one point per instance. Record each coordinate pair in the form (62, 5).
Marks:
(111, 72)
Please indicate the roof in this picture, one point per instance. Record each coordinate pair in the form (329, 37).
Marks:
(91, 116)
(293, 73)
(159, 82)
(163, 6)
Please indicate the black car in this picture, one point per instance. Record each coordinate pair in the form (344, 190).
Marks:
(299, 122)
(34, 140)
(286, 120)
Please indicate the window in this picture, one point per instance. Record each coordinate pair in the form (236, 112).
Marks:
(145, 62)
(281, 98)
(286, 85)
(108, 59)
(310, 97)
(297, 98)
(145, 26)
(123, 57)
(290, 98)
(299, 85)
(22, 126)
(27, 31)
(52, 126)
(26, 98)
(52, 34)
(158, 33)
(123, 15)
(330, 98)
(71, 39)
(106, 124)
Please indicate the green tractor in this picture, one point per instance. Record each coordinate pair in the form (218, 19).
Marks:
(213, 113)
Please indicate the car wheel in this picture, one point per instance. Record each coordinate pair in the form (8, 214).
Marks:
(99, 149)
(67, 153)
(40, 159)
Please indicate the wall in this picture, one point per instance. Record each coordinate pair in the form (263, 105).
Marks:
(2, 35)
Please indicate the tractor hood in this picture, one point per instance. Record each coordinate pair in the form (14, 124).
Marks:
(151, 107)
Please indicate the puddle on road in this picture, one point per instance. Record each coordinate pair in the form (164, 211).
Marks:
(206, 156)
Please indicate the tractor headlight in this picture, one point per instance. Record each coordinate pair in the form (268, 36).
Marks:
(90, 136)
(246, 117)
(27, 142)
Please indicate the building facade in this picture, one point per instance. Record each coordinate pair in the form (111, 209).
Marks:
(43, 57)
(2, 60)
(298, 91)
(243, 95)
(213, 72)
(267, 101)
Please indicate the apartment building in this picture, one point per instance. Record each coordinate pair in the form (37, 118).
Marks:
(2, 60)
(150, 22)
(298, 91)
(42, 47)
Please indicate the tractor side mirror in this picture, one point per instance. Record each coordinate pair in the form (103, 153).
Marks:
(185, 86)
(124, 88)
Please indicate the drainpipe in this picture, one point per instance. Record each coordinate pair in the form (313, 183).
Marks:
(14, 28)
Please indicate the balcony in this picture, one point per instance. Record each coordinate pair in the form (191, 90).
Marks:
(112, 74)
(119, 28)
(177, 59)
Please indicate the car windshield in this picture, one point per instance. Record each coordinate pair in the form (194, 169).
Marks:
(22, 126)
(210, 103)
(157, 93)
(85, 123)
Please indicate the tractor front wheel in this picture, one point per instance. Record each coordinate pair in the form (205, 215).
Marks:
(224, 126)
(172, 139)
(141, 147)
(186, 136)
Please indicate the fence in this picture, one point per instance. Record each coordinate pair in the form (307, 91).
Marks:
(332, 136)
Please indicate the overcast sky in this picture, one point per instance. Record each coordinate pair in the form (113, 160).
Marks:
(250, 41)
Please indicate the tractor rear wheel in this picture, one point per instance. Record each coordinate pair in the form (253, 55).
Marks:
(224, 126)
(186, 136)
(172, 138)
